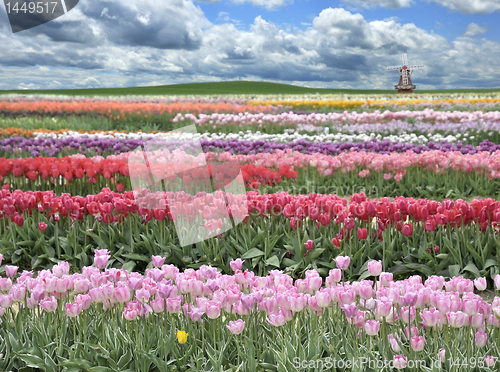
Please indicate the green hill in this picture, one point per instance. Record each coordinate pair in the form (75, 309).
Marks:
(224, 88)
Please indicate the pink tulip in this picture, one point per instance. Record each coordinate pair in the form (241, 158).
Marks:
(62, 268)
(385, 279)
(101, 261)
(81, 285)
(236, 264)
(84, 300)
(477, 321)
(130, 314)
(195, 314)
(411, 331)
(122, 294)
(142, 295)
(372, 327)
(489, 361)
(5, 284)
(471, 307)
(6, 300)
(18, 292)
(442, 355)
(457, 319)
(375, 268)
(11, 271)
(73, 309)
(346, 297)
(430, 317)
(394, 343)
(497, 282)
(323, 298)
(49, 304)
(313, 284)
(342, 262)
(101, 252)
(276, 319)
(173, 304)
(297, 302)
(480, 284)
(365, 291)
(481, 339)
(417, 343)
(62, 284)
(158, 261)
(400, 361)
(334, 277)
(157, 305)
(383, 309)
(213, 309)
(408, 314)
(236, 327)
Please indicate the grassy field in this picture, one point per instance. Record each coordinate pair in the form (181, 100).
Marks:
(223, 88)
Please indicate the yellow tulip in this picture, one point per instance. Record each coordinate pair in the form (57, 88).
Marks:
(182, 337)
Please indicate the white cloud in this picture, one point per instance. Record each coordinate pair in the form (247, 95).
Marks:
(473, 29)
(339, 49)
(471, 6)
(267, 4)
(393, 4)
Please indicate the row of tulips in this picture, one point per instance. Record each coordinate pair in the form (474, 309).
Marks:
(394, 174)
(91, 146)
(364, 102)
(271, 231)
(117, 108)
(109, 319)
(74, 173)
(417, 133)
(337, 118)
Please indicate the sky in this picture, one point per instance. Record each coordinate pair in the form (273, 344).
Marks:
(314, 43)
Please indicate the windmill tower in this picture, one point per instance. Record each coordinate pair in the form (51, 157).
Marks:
(405, 85)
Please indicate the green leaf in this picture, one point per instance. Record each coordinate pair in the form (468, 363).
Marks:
(472, 269)
(80, 363)
(252, 253)
(454, 270)
(426, 270)
(489, 263)
(33, 361)
(136, 257)
(288, 262)
(273, 261)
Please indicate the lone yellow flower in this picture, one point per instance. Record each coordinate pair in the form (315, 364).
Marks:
(182, 337)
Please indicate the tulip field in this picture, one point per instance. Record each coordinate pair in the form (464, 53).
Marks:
(250, 233)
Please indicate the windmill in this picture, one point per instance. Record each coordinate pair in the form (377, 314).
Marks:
(405, 85)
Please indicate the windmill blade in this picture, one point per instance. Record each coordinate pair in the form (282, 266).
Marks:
(418, 67)
(404, 59)
(392, 68)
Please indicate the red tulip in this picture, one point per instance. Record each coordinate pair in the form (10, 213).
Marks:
(336, 242)
(42, 226)
(408, 229)
(362, 233)
(309, 245)
(324, 219)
